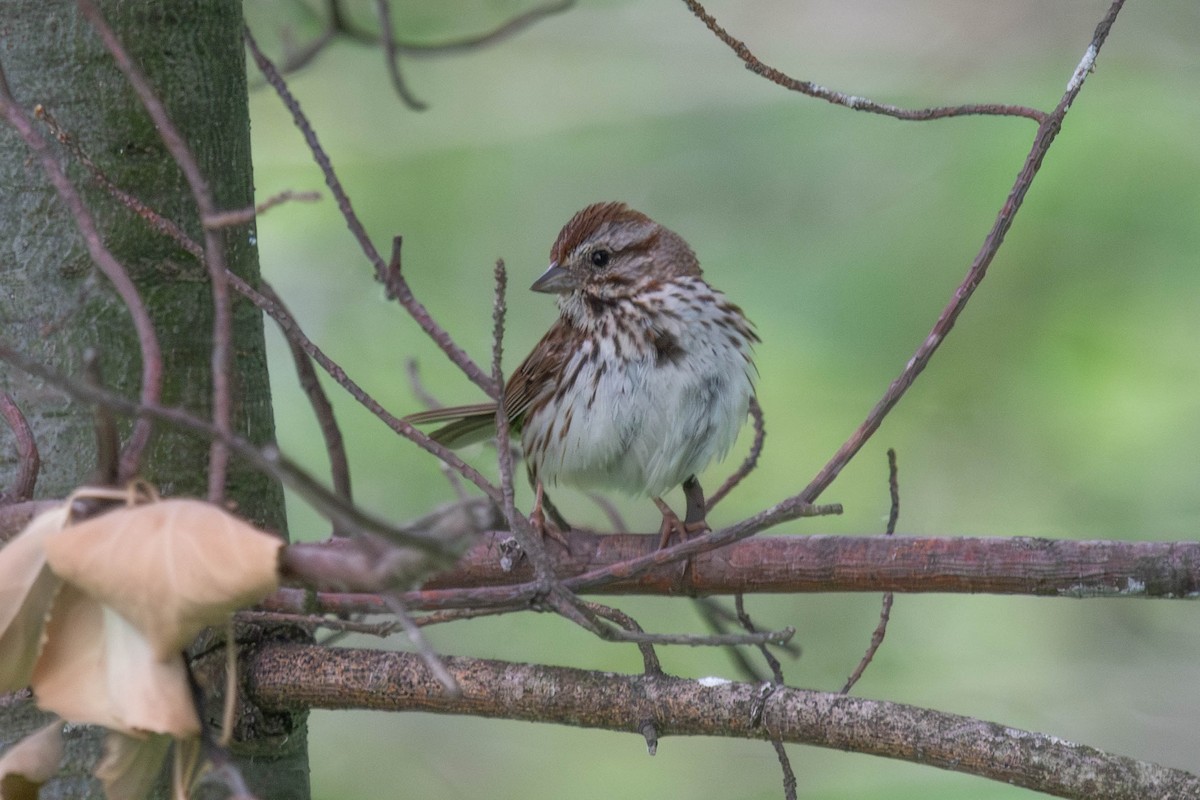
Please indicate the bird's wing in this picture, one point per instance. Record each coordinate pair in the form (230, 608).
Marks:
(536, 375)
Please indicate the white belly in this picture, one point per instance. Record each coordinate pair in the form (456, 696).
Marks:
(645, 423)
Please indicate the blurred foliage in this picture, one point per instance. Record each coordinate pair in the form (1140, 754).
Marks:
(1063, 404)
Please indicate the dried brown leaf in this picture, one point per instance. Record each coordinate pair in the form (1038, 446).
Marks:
(97, 668)
(171, 567)
(30, 763)
(27, 588)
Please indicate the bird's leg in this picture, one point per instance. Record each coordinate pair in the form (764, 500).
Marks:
(692, 523)
(671, 523)
(537, 517)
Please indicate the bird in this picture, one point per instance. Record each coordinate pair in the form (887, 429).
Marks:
(642, 381)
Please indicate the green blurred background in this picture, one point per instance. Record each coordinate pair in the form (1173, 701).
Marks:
(1064, 404)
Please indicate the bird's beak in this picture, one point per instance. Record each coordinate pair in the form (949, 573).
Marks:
(555, 280)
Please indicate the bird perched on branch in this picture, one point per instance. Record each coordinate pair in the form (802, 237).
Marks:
(644, 378)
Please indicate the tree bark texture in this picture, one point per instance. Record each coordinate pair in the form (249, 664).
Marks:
(55, 305)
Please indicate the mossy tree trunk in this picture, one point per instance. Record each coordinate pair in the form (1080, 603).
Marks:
(54, 304)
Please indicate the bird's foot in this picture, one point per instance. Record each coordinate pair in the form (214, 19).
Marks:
(672, 524)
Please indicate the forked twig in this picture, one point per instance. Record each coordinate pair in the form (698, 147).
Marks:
(391, 278)
(267, 459)
(337, 25)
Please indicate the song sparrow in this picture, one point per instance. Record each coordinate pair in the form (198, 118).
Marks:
(643, 380)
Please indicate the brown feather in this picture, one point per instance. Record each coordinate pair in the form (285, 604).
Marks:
(585, 223)
(475, 423)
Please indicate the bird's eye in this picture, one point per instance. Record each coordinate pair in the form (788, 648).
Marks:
(600, 258)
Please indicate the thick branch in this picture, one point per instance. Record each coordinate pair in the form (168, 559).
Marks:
(287, 676)
(790, 564)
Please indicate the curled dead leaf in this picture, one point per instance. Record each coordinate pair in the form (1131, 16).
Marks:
(170, 568)
(97, 668)
(27, 588)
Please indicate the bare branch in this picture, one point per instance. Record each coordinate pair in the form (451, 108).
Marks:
(748, 625)
(530, 541)
(291, 330)
(504, 31)
(337, 25)
(801, 504)
(390, 277)
(267, 459)
(1047, 131)
(433, 662)
(335, 678)
(850, 101)
(1018, 565)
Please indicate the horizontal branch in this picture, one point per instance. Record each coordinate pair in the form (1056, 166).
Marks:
(790, 564)
(287, 676)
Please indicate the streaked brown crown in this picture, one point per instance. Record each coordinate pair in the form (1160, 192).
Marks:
(585, 223)
(637, 252)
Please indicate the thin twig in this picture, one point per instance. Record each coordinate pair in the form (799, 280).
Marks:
(331, 432)
(291, 330)
(650, 663)
(242, 216)
(705, 639)
(151, 389)
(785, 764)
(267, 459)
(518, 523)
(423, 395)
(747, 624)
(300, 57)
(337, 25)
(29, 461)
(397, 287)
(426, 398)
(214, 246)
(610, 511)
(1047, 131)
(885, 612)
(383, 8)
(751, 461)
(801, 504)
(432, 660)
(505, 30)
(850, 101)
(313, 622)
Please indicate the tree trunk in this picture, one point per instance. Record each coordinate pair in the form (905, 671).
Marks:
(54, 304)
